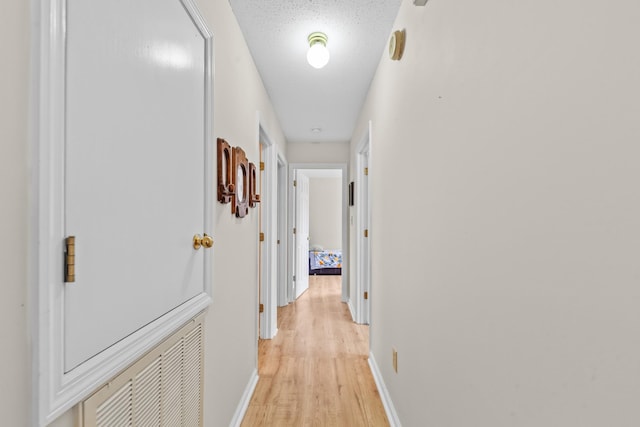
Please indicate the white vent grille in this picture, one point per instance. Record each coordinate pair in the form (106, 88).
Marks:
(147, 397)
(164, 388)
(117, 410)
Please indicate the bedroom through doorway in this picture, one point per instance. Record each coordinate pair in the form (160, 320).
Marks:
(319, 226)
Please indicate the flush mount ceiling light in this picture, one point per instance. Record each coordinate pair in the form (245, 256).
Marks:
(318, 55)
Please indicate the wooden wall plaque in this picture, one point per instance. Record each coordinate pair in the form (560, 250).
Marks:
(240, 176)
(226, 187)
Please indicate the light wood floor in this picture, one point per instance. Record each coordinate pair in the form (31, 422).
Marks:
(315, 371)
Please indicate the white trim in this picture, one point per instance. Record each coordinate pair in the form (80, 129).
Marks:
(298, 295)
(53, 390)
(269, 210)
(345, 222)
(243, 405)
(392, 415)
(70, 388)
(92, 403)
(351, 311)
(363, 220)
(281, 172)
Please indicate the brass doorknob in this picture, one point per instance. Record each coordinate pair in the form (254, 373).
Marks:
(205, 241)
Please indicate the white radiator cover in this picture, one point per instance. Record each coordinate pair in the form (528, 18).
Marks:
(163, 388)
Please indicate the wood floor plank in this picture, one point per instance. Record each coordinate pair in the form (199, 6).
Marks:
(315, 371)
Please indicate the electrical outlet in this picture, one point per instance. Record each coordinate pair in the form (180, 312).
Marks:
(395, 359)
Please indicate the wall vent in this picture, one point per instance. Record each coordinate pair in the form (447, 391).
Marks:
(163, 388)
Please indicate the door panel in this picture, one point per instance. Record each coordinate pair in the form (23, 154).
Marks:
(302, 234)
(134, 168)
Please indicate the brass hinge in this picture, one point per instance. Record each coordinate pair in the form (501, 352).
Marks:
(261, 166)
(262, 237)
(366, 295)
(366, 233)
(366, 171)
(261, 308)
(70, 259)
(294, 230)
(295, 183)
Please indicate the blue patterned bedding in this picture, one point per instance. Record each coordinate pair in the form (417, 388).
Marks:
(325, 259)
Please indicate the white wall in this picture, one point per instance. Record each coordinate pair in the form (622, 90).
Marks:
(14, 85)
(231, 324)
(506, 214)
(231, 349)
(323, 152)
(325, 212)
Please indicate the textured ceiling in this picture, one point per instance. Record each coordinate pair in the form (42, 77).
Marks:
(304, 98)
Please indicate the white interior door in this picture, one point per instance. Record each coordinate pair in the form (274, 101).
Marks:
(134, 167)
(302, 234)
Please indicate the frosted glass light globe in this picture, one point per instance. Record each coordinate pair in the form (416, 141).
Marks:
(318, 55)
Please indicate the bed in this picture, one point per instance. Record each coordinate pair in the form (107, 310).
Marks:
(325, 262)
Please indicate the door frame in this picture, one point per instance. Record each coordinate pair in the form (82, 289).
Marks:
(282, 230)
(53, 390)
(268, 295)
(293, 167)
(363, 277)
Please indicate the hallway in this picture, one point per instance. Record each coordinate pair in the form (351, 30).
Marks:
(315, 371)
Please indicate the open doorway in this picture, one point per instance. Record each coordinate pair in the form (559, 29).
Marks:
(306, 234)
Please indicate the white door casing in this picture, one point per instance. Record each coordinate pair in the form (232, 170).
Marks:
(282, 231)
(269, 250)
(291, 237)
(363, 242)
(124, 157)
(366, 246)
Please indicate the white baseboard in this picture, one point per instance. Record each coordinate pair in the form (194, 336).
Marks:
(244, 401)
(299, 294)
(351, 310)
(392, 415)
